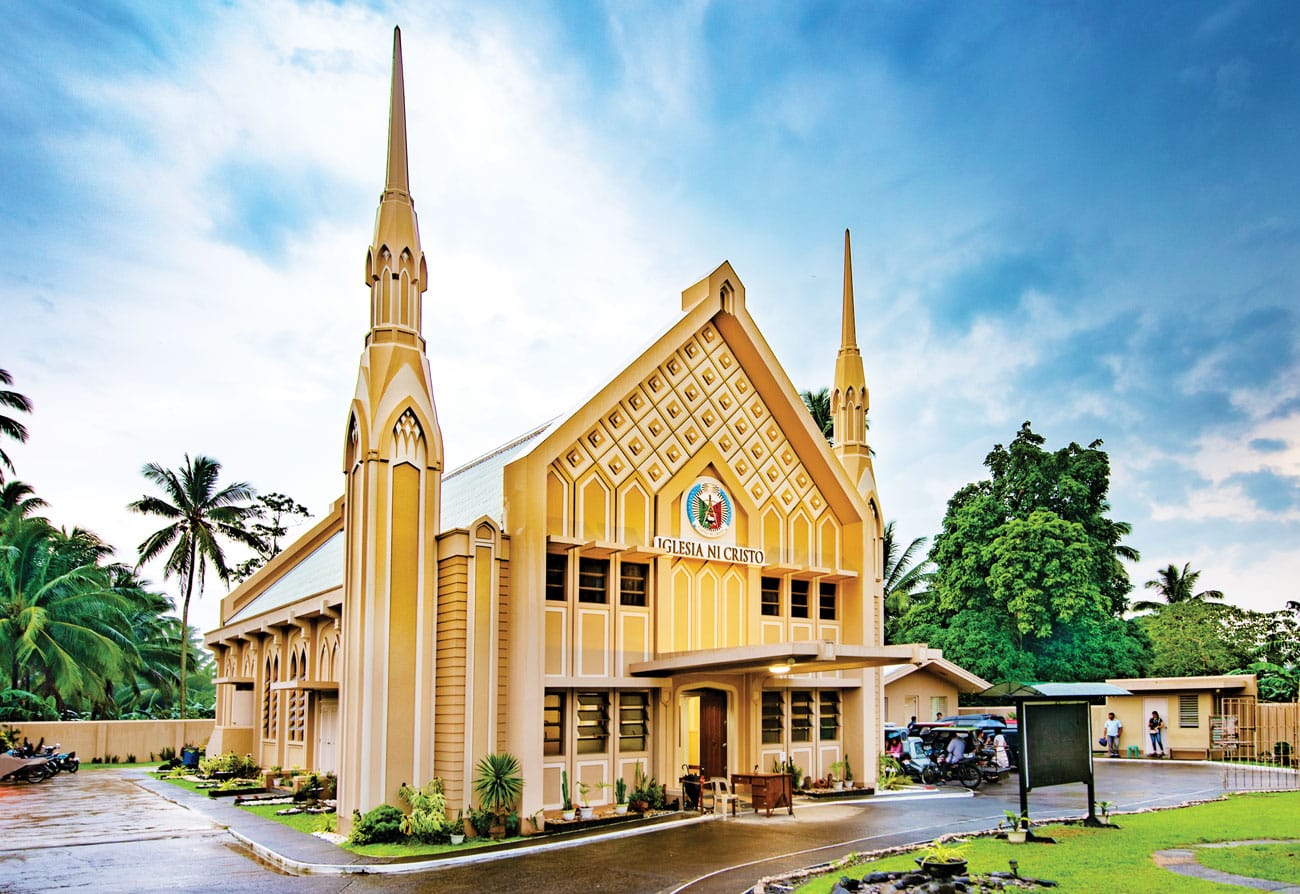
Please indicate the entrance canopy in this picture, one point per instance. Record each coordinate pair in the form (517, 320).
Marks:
(783, 658)
(1030, 691)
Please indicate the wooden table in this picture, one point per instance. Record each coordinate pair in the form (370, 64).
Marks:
(767, 790)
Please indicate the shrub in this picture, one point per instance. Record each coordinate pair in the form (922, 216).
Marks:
(243, 766)
(497, 783)
(167, 755)
(383, 824)
(427, 822)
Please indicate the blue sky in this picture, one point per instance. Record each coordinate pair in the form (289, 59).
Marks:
(1083, 215)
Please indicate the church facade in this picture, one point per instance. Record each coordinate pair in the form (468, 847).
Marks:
(681, 572)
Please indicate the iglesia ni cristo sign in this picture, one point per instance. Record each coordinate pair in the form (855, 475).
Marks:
(708, 511)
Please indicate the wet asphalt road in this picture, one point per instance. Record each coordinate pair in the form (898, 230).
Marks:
(101, 831)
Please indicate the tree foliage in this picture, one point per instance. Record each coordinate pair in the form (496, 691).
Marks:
(904, 577)
(819, 406)
(272, 515)
(1028, 580)
(9, 426)
(1176, 587)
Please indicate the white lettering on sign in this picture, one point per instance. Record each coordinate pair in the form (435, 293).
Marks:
(711, 552)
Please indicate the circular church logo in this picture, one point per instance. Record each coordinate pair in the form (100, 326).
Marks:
(708, 507)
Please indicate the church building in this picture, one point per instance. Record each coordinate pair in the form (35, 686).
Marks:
(681, 572)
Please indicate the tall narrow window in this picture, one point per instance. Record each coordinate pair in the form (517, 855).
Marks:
(801, 715)
(632, 584)
(771, 597)
(798, 598)
(1189, 711)
(593, 580)
(938, 706)
(553, 723)
(828, 715)
(270, 699)
(773, 718)
(593, 722)
(633, 721)
(557, 573)
(827, 601)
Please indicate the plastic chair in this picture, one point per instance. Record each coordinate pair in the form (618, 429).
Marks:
(716, 796)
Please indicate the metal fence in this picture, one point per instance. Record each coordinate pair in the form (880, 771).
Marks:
(1259, 743)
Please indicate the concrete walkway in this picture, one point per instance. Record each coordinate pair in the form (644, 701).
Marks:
(1183, 861)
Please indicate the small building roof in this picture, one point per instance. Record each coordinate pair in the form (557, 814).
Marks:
(1166, 684)
(941, 667)
(1012, 689)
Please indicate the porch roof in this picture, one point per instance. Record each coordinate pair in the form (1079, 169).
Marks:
(794, 657)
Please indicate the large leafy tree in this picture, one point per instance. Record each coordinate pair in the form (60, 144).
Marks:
(274, 514)
(1176, 587)
(10, 427)
(200, 515)
(1028, 579)
(1195, 638)
(904, 576)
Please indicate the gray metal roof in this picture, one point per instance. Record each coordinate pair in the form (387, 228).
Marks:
(474, 490)
(321, 570)
(478, 487)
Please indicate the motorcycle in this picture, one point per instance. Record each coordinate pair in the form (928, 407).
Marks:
(23, 769)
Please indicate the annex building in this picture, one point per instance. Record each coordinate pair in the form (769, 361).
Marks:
(682, 571)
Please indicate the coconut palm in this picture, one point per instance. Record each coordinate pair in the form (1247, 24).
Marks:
(63, 632)
(200, 516)
(819, 405)
(1176, 587)
(18, 495)
(903, 574)
(8, 425)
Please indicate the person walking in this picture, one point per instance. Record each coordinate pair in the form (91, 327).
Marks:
(1113, 728)
(1154, 726)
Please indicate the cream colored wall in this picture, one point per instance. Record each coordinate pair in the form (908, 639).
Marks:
(1130, 711)
(104, 738)
(923, 686)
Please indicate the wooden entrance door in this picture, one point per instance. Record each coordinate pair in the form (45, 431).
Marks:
(713, 733)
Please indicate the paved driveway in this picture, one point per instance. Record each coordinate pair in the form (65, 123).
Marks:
(101, 831)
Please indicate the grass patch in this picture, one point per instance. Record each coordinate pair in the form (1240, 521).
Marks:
(301, 822)
(1276, 862)
(185, 784)
(1086, 859)
(103, 766)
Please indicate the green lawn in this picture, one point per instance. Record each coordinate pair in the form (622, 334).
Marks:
(301, 822)
(1090, 860)
(1276, 862)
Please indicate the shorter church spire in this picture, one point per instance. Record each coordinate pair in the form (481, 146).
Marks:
(850, 399)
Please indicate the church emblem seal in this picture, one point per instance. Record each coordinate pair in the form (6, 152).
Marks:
(708, 508)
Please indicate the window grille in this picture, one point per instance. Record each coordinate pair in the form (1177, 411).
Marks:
(557, 573)
(771, 597)
(828, 715)
(553, 723)
(773, 718)
(593, 722)
(798, 598)
(632, 584)
(633, 721)
(827, 601)
(1189, 711)
(593, 580)
(801, 715)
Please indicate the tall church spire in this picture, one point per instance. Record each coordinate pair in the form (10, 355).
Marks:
(850, 399)
(392, 460)
(395, 268)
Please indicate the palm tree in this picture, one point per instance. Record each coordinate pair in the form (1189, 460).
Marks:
(1176, 587)
(9, 426)
(902, 576)
(200, 515)
(18, 495)
(62, 625)
(819, 405)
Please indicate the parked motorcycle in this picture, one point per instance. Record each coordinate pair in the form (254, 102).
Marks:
(24, 769)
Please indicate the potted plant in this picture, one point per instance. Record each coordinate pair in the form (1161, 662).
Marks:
(940, 860)
(1105, 808)
(498, 785)
(1016, 826)
(567, 814)
(458, 828)
(620, 796)
(836, 779)
(535, 823)
(587, 811)
(848, 772)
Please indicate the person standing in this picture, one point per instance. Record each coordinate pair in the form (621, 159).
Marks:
(1154, 726)
(1001, 755)
(1113, 728)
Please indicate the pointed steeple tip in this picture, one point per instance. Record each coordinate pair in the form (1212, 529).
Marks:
(848, 332)
(398, 179)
